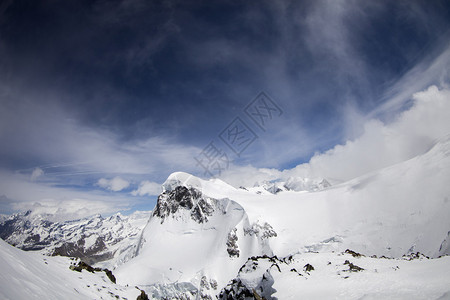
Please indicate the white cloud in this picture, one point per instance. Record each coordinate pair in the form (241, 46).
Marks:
(37, 172)
(412, 133)
(381, 145)
(147, 188)
(116, 184)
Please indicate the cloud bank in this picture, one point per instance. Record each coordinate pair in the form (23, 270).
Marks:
(412, 133)
(381, 145)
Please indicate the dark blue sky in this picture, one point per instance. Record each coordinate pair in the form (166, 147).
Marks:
(99, 89)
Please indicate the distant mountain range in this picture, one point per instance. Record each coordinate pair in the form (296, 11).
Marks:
(94, 239)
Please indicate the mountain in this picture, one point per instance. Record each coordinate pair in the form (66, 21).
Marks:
(202, 233)
(94, 239)
(190, 235)
(296, 184)
(383, 235)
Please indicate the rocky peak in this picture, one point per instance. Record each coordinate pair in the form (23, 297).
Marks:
(182, 198)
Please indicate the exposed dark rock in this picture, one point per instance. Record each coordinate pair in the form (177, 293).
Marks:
(182, 197)
(277, 266)
(249, 265)
(169, 202)
(213, 284)
(295, 271)
(235, 290)
(232, 246)
(308, 268)
(201, 211)
(416, 255)
(205, 287)
(110, 275)
(204, 284)
(273, 259)
(84, 266)
(288, 259)
(352, 267)
(353, 253)
(142, 296)
(264, 231)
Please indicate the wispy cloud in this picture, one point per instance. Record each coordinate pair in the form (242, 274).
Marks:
(37, 172)
(430, 70)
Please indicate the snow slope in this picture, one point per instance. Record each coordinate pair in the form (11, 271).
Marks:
(30, 275)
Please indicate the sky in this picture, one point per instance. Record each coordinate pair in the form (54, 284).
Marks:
(100, 101)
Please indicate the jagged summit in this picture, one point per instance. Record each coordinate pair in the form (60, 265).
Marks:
(184, 198)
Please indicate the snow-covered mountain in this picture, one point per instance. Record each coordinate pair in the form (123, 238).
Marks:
(296, 184)
(191, 235)
(207, 239)
(94, 239)
(202, 233)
